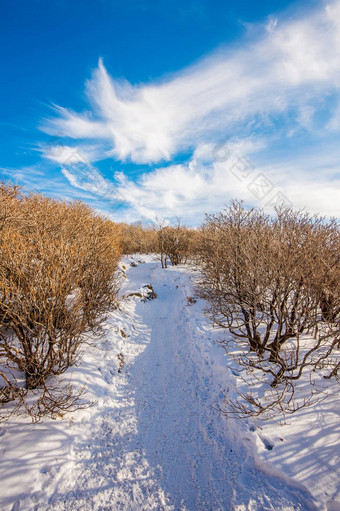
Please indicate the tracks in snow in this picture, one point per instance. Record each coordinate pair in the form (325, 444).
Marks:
(155, 442)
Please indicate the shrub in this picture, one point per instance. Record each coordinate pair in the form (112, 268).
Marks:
(136, 238)
(173, 244)
(273, 283)
(57, 280)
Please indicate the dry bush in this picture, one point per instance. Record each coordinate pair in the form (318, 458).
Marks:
(266, 281)
(43, 325)
(138, 239)
(173, 244)
(57, 280)
(194, 246)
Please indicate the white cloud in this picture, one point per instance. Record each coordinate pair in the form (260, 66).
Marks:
(289, 67)
(64, 154)
(271, 24)
(281, 84)
(68, 154)
(205, 184)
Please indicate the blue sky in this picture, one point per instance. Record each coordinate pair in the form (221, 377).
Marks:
(155, 109)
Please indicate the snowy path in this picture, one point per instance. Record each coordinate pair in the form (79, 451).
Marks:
(154, 441)
(162, 446)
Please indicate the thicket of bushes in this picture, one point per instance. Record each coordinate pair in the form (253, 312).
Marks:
(273, 282)
(58, 266)
(138, 238)
(174, 243)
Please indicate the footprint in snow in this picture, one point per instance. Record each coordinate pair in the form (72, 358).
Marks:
(267, 443)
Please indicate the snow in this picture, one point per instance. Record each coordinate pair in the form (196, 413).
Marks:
(153, 439)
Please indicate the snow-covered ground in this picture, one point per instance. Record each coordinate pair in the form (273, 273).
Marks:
(153, 440)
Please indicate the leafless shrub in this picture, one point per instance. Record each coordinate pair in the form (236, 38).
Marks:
(136, 238)
(266, 281)
(173, 244)
(57, 280)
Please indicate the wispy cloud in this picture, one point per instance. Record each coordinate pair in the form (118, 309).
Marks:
(288, 67)
(206, 183)
(39, 179)
(281, 85)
